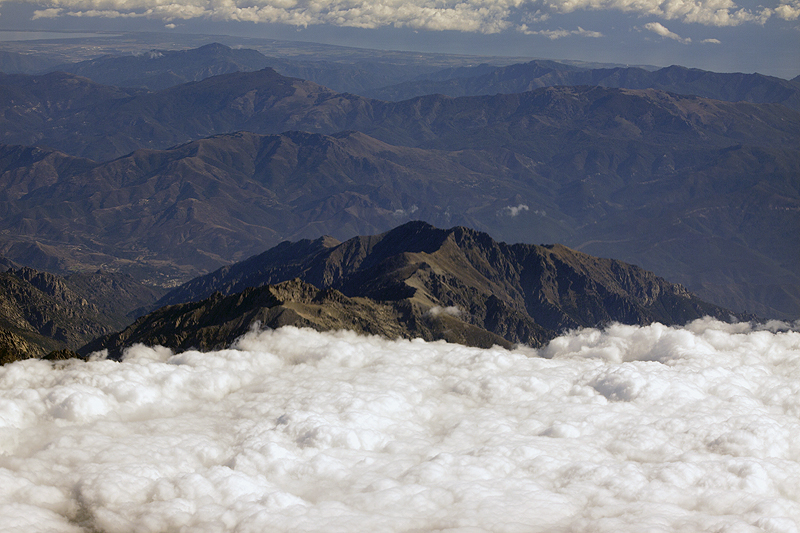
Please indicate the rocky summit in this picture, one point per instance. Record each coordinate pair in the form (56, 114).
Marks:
(414, 281)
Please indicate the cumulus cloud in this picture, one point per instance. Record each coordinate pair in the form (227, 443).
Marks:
(789, 11)
(658, 28)
(619, 430)
(460, 15)
(49, 13)
(711, 41)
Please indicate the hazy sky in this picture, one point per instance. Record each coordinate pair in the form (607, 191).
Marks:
(720, 35)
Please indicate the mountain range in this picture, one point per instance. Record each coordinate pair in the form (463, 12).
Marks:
(413, 281)
(401, 80)
(703, 192)
(165, 185)
(488, 80)
(101, 122)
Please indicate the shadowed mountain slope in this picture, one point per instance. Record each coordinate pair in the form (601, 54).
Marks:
(701, 191)
(524, 293)
(42, 313)
(217, 321)
(715, 219)
(100, 122)
(16, 63)
(204, 204)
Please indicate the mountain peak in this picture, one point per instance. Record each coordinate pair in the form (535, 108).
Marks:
(521, 292)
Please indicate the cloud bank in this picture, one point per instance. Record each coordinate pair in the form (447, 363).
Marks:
(460, 15)
(624, 430)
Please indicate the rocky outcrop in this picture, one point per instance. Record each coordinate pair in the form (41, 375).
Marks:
(44, 315)
(522, 293)
(217, 321)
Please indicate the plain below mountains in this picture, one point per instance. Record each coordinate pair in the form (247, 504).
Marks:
(413, 281)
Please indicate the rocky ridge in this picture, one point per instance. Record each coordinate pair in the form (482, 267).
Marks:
(522, 293)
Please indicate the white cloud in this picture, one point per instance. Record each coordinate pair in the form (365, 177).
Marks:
(49, 13)
(711, 41)
(625, 430)
(658, 28)
(437, 310)
(789, 11)
(482, 16)
(512, 210)
(558, 34)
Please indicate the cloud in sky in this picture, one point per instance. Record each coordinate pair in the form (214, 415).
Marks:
(619, 430)
(558, 34)
(481, 16)
(661, 30)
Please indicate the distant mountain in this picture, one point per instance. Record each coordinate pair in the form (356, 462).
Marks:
(159, 69)
(16, 63)
(101, 122)
(40, 109)
(485, 80)
(197, 207)
(522, 293)
(702, 191)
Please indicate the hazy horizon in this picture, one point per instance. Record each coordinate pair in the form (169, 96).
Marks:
(722, 37)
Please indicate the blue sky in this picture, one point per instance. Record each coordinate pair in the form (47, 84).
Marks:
(720, 35)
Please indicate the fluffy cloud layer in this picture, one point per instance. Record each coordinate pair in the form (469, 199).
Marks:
(628, 429)
(485, 16)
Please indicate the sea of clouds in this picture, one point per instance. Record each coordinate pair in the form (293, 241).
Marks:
(627, 429)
